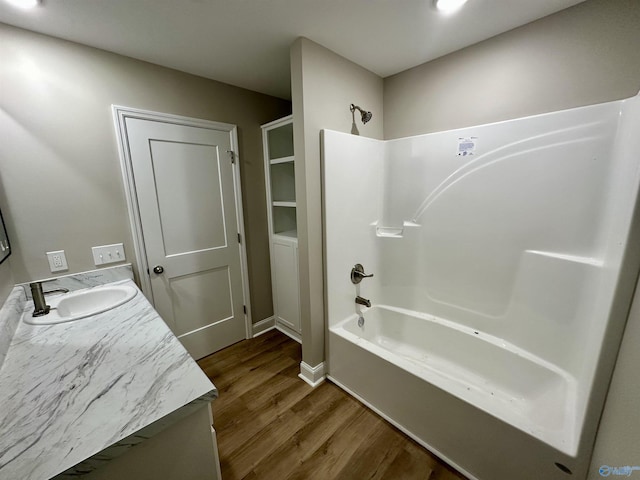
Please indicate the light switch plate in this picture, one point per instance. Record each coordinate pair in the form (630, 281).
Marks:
(57, 261)
(108, 254)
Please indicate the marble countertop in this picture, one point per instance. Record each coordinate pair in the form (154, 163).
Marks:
(75, 395)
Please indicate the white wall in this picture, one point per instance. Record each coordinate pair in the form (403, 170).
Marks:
(352, 201)
(59, 158)
(323, 85)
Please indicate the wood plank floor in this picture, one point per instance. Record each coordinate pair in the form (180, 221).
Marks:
(272, 425)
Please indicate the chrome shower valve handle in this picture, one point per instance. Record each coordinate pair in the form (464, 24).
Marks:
(357, 274)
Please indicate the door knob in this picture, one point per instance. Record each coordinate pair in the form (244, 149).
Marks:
(158, 269)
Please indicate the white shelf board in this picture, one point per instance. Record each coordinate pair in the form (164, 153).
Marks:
(275, 161)
(287, 234)
(284, 204)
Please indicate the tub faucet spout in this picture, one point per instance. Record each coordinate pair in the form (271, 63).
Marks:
(363, 301)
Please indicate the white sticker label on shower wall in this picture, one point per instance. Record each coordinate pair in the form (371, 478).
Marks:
(466, 146)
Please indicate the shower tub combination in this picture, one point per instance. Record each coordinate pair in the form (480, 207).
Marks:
(502, 281)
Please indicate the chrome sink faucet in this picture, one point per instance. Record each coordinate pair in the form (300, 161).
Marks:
(363, 301)
(39, 303)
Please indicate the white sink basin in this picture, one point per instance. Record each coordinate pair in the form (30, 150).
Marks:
(83, 303)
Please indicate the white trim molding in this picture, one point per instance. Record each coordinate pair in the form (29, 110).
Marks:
(263, 326)
(289, 332)
(314, 376)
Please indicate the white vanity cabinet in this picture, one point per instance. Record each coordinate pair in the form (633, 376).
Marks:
(185, 450)
(279, 167)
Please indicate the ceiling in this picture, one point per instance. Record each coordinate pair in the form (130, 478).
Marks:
(246, 42)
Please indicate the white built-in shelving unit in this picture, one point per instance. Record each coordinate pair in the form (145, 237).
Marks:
(279, 168)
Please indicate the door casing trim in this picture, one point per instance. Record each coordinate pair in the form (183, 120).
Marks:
(120, 114)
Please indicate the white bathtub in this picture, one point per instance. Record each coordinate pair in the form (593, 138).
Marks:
(493, 375)
(485, 406)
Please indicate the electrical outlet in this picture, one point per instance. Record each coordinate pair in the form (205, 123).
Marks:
(57, 261)
(108, 254)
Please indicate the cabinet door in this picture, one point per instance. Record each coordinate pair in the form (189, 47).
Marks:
(285, 269)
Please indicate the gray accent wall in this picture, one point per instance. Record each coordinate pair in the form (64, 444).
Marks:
(59, 158)
(580, 56)
(6, 271)
(323, 85)
(6, 280)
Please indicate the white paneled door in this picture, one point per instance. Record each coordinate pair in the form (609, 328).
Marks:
(186, 197)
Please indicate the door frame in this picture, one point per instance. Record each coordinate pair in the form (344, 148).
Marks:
(120, 114)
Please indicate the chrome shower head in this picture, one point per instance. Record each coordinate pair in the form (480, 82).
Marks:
(364, 115)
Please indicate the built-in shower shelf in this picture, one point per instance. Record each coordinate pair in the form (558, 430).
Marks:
(389, 232)
(275, 161)
(393, 232)
(284, 204)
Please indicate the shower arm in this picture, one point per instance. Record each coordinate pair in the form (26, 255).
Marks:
(353, 108)
(364, 115)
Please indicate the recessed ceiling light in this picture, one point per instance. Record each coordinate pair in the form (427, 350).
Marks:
(448, 6)
(24, 3)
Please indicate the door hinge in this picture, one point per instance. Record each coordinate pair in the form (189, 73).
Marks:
(232, 155)
(244, 309)
(239, 238)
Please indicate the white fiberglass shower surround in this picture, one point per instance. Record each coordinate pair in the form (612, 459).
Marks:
(502, 281)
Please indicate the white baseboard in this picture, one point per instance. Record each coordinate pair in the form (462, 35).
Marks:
(314, 376)
(263, 326)
(289, 332)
